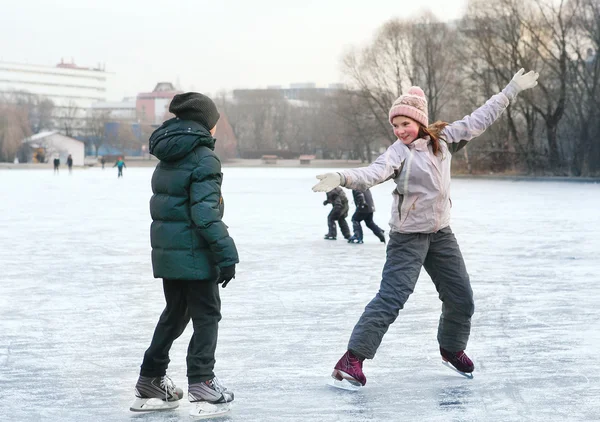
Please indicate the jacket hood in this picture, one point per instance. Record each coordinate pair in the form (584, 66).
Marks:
(176, 138)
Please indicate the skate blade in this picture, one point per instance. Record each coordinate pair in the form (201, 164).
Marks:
(203, 410)
(464, 374)
(343, 385)
(152, 405)
(343, 381)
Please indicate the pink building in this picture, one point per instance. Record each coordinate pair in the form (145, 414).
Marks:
(153, 107)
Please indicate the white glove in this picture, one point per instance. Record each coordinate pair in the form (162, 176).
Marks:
(520, 83)
(328, 181)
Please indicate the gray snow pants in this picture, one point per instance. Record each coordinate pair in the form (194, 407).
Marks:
(406, 254)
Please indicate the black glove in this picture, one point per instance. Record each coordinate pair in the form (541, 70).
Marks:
(325, 202)
(227, 273)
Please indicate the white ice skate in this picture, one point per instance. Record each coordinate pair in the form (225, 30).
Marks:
(155, 394)
(152, 404)
(204, 409)
(209, 399)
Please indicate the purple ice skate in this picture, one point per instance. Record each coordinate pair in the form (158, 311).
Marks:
(348, 373)
(459, 360)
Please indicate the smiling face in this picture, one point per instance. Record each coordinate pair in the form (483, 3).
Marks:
(405, 129)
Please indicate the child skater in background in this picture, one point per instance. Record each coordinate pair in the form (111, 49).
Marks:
(119, 165)
(339, 212)
(419, 164)
(365, 207)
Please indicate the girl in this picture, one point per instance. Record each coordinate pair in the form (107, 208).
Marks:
(419, 163)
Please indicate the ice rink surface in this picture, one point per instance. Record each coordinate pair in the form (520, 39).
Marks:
(78, 303)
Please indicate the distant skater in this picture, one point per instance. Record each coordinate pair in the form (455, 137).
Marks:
(337, 198)
(70, 163)
(420, 236)
(119, 165)
(365, 207)
(56, 165)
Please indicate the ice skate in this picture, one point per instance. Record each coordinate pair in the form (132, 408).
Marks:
(354, 239)
(209, 399)
(381, 236)
(155, 393)
(458, 362)
(329, 237)
(347, 373)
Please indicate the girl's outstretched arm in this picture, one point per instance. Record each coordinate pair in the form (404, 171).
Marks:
(459, 133)
(385, 167)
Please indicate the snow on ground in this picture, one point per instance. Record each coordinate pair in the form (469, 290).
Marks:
(78, 303)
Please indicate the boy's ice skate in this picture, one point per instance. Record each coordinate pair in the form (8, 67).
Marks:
(460, 362)
(155, 393)
(209, 399)
(354, 239)
(329, 237)
(348, 374)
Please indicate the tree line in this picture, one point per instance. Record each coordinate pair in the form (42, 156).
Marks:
(552, 129)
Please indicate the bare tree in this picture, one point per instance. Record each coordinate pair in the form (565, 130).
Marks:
(433, 59)
(493, 38)
(68, 118)
(40, 110)
(96, 128)
(126, 139)
(357, 125)
(14, 127)
(404, 53)
(583, 109)
(533, 34)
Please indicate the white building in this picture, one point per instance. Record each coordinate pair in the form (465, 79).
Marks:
(71, 89)
(65, 84)
(114, 110)
(52, 145)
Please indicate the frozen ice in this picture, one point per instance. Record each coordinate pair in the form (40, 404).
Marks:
(78, 303)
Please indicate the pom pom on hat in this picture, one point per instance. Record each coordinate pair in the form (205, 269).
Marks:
(415, 90)
(412, 104)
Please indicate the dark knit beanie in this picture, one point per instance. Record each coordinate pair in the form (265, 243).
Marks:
(197, 107)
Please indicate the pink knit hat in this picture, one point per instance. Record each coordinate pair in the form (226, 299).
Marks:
(413, 104)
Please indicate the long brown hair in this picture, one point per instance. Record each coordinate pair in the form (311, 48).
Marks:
(434, 131)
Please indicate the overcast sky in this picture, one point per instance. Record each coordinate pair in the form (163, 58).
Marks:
(204, 45)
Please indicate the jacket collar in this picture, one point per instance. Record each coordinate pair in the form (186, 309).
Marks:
(419, 144)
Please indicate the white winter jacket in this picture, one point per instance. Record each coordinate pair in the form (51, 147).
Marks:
(422, 194)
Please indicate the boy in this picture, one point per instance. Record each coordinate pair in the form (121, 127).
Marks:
(192, 252)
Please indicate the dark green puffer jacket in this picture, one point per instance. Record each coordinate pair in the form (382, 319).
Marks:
(189, 240)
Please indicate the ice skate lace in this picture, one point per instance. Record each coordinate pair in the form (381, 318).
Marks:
(168, 385)
(216, 383)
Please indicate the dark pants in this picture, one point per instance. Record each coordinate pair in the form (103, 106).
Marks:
(336, 215)
(120, 174)
(368, 219)
(406, 254)
(200, 301)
